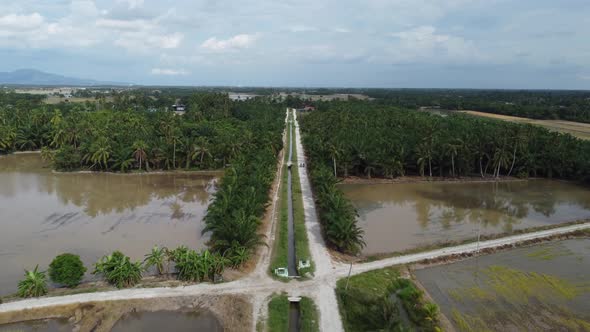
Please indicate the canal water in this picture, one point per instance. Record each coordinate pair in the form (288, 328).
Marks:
(44, 214)
(401, 216)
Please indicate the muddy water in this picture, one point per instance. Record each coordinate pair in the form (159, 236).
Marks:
(46, 325)
(167, 321)
(43, 214)
(538, 288)
(402, 216)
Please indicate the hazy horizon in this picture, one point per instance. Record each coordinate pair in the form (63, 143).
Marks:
(458, 44)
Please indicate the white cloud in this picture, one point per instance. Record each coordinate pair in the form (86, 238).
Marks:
(302, 28)
(129, 25)
(341, 30)
(20, 22)
(169, 72)
(192, 59)
(132, 4)
(232, 44)
(145, 40)
(327, 54)
(424, 43)
(584, 77)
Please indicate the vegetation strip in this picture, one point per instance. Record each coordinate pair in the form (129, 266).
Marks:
(280, 250)
(369, 140)
(381, 300)
(301, 241)
(292, 258)
(278, 314)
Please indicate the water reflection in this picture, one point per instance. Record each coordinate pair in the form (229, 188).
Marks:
(405, 215)
(43, 214)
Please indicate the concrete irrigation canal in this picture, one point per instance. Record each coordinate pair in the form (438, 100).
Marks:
(292, 259)
(294, 312)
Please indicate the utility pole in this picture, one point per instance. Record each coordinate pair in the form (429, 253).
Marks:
(348, 277)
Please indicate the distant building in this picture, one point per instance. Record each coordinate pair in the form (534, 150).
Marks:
(179, 109)
(306, 108)
(241, 96)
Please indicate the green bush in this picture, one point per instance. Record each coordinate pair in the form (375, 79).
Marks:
(33, 285)
(67, 158)
(194, 266)
(67, 269)
(158, 258)
(118, 270)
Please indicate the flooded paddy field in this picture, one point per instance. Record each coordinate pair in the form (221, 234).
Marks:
(206, 313)
(43, 214)
(167, 320)
(538, 288)
(45, 325)
(404, 216)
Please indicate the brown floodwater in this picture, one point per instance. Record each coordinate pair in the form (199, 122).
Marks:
(44, 325)
(43, 214)
(401, 216)
(167, 321)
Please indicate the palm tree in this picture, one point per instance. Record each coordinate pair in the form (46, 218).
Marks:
(424, 154)
(501, 159)
(118, 270)
(140, 153)
(100, 153)
(452, 149)
(156, 258)
(7, 138)
(335, 152)
(34, 284)
(46, 154)
(203, 151)
(520, 143)
(431, 313)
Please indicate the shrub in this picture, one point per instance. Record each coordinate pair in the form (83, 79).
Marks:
(33, 285)
(67, 158)
(67, 269)
(157, 257)
(118, 270)
(194, 266)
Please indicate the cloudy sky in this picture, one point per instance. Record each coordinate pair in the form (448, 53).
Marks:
(359, 43)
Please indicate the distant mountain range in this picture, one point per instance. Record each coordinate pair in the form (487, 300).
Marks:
(37, 77)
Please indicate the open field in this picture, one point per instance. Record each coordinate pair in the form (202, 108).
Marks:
(577, 129)
(57, 100)
(538, 288)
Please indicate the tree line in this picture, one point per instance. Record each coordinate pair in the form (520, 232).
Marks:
(123, 138)
(535, 104)
(244, 138)
(367, 139)
(118, 270)
(370, 140)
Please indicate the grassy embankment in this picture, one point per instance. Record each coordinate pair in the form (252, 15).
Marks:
(280, 250)
(278, 314)
(381, 300)
(576, 129)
